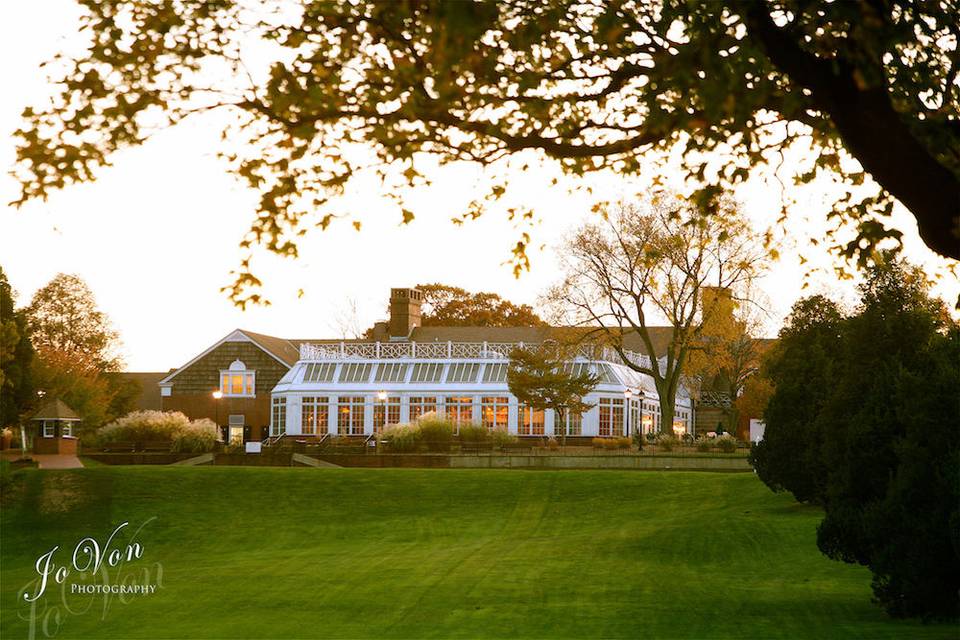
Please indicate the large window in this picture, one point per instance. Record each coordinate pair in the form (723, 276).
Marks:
(427, 372)
(278, 416)
(572, 424)
(463, 372)
(420, 405)
(650, 420)
(385, 412)
(355, 372)
(319, 372)
(495, 372)
(350, 415)
(313, 415)
(531, 421)
(237, 381)
(634, 417)
(459, 408)
(495, 412)
(391, 372)
(611, 416)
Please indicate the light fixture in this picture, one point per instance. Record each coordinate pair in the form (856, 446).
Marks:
(628, 394)
(217, 394)
(382, 396)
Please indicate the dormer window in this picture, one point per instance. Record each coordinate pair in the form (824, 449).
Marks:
(237, 381)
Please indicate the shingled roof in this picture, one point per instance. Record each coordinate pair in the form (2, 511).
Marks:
(56, 409)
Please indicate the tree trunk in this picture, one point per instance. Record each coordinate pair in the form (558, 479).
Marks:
(667, 408)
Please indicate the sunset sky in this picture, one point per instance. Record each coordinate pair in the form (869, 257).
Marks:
(157, 234)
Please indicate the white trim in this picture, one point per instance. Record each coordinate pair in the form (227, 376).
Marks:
(237, 335)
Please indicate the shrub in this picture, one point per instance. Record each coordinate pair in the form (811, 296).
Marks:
(402, 437)
(638, 439)
(144, 426)
(598, 443)
(727, 443)
(196, 437)
(552, 444)
(623, 443)
(704, 444)
(435, 432)
(666, 442)
(472, 432)
(503, 437)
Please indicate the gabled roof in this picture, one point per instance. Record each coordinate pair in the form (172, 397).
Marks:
(56, 409)
(280, 349)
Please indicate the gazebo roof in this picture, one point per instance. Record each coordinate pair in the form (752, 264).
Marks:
(56, 409)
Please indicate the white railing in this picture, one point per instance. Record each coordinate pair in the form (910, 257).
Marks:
(447, 351)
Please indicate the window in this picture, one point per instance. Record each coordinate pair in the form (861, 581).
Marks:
(66, 430)
(313, 415)
(420, 405)
(606, 374)
(495, 412)
(278, 416)
(385, 412)
(495, 372)
(611, 416)
(634, 417)
(391, 372)
(427, 372)
(49, 428)
(463, 372)
(237, 381)
(350, 415)
(531, 421)
(459, 408)
(319, 372)
(574, 424)
(355, 372)
(650, 420)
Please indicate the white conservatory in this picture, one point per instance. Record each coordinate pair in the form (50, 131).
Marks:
(356, 388)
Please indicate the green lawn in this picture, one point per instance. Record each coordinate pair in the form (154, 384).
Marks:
(286, 552)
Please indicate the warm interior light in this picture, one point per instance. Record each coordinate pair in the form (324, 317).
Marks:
(382, 396)
(217, 394)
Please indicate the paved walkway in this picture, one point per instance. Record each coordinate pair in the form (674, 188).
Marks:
(57, 461)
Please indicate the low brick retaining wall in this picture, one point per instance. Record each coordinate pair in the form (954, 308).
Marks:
(539, 462)
(254, 459)
(138, 458)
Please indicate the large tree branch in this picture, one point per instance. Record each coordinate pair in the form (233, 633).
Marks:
(873, 131)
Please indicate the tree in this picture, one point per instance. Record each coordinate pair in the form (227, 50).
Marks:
(892, 453)
(864, 420)
(583, 85)
(76, 349)
(64, 318)
(803, 368)
(543, 379)
(446, 306)
(16, 357)
(728, 352)
(658, 258)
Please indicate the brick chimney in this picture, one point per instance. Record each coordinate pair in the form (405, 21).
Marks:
(404, 312)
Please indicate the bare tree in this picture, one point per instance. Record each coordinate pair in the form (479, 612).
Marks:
(656, 258)
(346, 320)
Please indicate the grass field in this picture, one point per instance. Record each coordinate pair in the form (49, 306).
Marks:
(301, 553)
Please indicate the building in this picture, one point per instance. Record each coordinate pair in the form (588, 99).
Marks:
(257, 386)
(356, 388)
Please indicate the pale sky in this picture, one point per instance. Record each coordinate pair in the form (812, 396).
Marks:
(156, 236)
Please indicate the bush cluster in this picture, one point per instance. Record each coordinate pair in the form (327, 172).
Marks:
(726, 443)
(611, 443)
(667, 441)
(432, 432)
(198, 436)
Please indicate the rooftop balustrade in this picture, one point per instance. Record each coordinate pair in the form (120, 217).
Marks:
(450, 351)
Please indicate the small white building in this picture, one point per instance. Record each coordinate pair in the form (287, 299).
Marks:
(356, 388)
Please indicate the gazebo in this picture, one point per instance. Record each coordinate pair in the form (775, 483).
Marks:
(55, 422)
